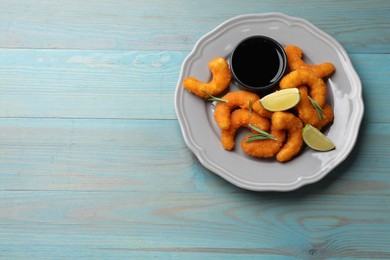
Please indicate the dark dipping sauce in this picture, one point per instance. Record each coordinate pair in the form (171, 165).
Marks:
(258, 63)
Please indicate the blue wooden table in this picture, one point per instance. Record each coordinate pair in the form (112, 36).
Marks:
(93, 163)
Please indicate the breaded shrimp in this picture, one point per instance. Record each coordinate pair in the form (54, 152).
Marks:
(306, 77)
(294, 59)
(242, 118)
(305, 109)
(236, 99)
(220, 70)
(267, 148)
(258, 108)
(327, 111)
(308, 114)
(293, 125)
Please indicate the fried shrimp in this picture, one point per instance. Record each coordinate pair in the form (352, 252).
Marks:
(242, 118)
(305, 109)
(258, 108)
(308, 114)
(293, 125)
(221, 80)
(300, 77)
(236, 99)
(328, 115)
(267, 148)
(295, 62)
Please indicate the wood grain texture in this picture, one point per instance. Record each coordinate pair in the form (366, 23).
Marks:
(316, 226)
(93, 164)
(88, 84)
(150, 156)
(169, 25)
(127, 84)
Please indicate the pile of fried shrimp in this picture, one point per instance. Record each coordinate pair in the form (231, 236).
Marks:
(243, 109)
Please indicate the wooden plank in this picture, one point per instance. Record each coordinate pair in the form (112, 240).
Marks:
(374, 74)
(150, 155)
(127, 84)
(88, 84)
(146, 25)
(276, 224)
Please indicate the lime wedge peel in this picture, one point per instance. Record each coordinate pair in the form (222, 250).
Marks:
(281, 100)
(316, 140)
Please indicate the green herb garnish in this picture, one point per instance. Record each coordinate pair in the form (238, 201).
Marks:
(212, 98)
(262, 135)
(250, 107)
(317, 107)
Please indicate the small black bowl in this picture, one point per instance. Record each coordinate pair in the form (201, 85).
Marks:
(258, 63)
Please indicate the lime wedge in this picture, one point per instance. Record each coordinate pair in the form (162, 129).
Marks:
(281, 100)
(315, 139)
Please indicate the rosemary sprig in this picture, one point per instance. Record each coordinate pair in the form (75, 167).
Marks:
(317, 107)
(254, 137)
(262, 135)
(213, 98)
(250, 107)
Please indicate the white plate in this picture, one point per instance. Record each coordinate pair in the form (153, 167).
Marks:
(202, 135)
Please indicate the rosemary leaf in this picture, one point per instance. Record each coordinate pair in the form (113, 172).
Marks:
(250, 107)
(317, 108)
(255, 137)
(212, 98)
(262, 135)
(258, 130)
